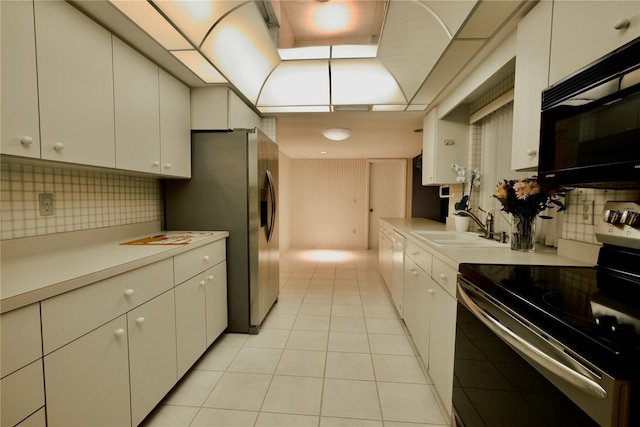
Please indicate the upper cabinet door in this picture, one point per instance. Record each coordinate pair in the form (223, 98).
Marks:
(583, 31)
(75, 82)
(20, 126)
(175, 127)
(137, 110)
(532, 77)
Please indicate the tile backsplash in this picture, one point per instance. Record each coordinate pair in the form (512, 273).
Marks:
(82, 199)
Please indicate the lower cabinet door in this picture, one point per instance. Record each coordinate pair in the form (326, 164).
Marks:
(22, 394)
(443, 341)
(216, 301)
(152, 353)
(190, 322)
(87, 380)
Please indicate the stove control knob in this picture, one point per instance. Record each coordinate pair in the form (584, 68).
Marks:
(611, 216)
(630, 218)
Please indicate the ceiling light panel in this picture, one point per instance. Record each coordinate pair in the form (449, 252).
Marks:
(195, 17)
(309, 52)
(295, 109)
(297, 83)
(153, 23)
(199, 65)
(363, 81)
(243, 50)
(354, 51)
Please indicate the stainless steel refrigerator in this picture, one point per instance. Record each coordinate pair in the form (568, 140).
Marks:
(234, 187)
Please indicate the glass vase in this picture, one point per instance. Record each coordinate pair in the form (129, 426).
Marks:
(522, 233)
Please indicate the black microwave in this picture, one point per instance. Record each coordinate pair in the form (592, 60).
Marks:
(590, 124)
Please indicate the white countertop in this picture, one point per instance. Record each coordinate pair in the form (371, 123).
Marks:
(36, 268)
(455, 255)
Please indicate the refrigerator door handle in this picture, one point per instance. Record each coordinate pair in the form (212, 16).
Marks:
(272, 196)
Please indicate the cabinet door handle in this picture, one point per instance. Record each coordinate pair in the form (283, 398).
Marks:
(167, 166)
(621, 24)
(202, 283)
(210, 277)
(156, 164)
(431, 291)
(140, 320)
(443, 276)
(58, 146)
(26, 140)
(128, 292)
(415, 253)
(206, 258)
(531, 152)
(119, 332)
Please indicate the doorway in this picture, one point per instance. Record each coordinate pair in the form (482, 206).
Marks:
(387, 193)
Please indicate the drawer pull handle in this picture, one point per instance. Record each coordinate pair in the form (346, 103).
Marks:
(26, 140)
(202, 283)
(210, 277)
(119, 332)
(58, 146)
(415, 253)
(156, 164)
(140, 320)
(167, 166)
(431, 291)
(531, 152)
(621, 24)
(206, 258)
(443, 276)
(128, 292)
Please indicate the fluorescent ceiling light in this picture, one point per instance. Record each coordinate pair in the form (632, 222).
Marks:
(363, 81)
(354, 51)
(331, 17)
(243, 50)
(388, 107)
(297, 83)
(153, 23)
(199, 65)
(195, 18)
(337, 134)
(295, 109)
(309, 52)
(417, 107)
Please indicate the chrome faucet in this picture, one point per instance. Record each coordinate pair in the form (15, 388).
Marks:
(486, 228)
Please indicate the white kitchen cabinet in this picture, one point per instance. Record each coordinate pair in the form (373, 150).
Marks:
(216, 301)
(445, 142)
(75, 86)
(87, 381)
(397, 270)
(137, 110)
(22, 393)
(37, 419)
(532, 77)
(418, 295)
(20, 131)
(152, 353)
(442, 337)
(215, 108)
(385, 254)
(583, 31)
(190, 322)
(201, 301)
(175, 127)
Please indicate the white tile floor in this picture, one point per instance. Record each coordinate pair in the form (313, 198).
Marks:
(331, 352)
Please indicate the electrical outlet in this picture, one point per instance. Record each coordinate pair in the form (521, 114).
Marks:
(587, 211)
(46, 204)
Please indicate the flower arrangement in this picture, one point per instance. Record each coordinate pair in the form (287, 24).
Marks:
(527, 198)
(473, 180)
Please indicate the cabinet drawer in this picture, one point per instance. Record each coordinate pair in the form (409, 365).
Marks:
(188, 264)
(445, 276)
(420, 255)
(70, 315)
(22, 394)
(20, 338)
(37, 419)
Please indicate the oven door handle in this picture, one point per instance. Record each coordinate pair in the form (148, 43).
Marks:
(578, 380)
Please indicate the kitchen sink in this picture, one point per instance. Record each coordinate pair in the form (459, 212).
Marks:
(456, 238)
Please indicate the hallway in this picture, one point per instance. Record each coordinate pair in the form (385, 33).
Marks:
(332, 352)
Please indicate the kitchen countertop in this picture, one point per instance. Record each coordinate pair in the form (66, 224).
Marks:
(36, 268)
(455, 255)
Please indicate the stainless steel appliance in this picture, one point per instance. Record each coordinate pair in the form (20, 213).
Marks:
(234, 187)
(550, 345)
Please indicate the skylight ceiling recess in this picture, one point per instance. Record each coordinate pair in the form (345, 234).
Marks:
(317, 56)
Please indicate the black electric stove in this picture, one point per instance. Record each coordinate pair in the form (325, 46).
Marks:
(574, 329)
